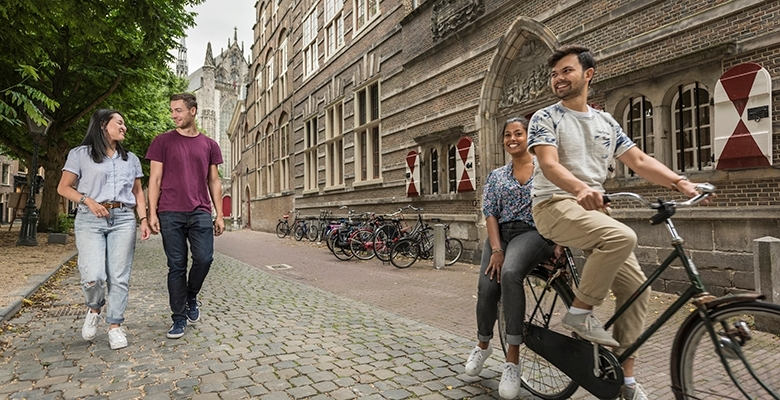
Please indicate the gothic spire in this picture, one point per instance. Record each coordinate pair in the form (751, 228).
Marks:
(209, 62)
(182, 69)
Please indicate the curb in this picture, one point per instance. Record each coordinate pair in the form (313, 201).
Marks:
(9, 312)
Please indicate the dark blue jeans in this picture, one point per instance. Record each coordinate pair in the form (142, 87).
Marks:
(523, 249)
(178, 228)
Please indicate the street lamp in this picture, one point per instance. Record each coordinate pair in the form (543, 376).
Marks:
(27, 235)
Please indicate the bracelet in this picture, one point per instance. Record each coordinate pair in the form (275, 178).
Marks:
(497, 251)
(679, 178)
(83, 199)
(141, 220)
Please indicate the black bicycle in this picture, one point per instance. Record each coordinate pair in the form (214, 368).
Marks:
(727, 349)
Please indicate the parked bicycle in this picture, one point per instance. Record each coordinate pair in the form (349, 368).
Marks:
(419, 245)
(283, 227)
(305, 228)
(726, 349)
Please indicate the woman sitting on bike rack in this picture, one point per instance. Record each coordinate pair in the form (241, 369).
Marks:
(512, 250)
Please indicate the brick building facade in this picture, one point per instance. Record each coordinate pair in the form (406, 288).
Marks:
(377, 104)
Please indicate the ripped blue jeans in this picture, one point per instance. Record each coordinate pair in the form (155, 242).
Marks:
(106, 247)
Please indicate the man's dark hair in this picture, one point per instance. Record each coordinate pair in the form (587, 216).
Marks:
(583, 55)
(188, 98)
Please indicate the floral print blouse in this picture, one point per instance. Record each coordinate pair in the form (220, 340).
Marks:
(507, 199)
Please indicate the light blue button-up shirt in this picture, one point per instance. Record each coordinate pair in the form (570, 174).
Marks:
(111, 180)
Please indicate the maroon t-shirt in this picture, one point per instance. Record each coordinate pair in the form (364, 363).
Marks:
(185, 162)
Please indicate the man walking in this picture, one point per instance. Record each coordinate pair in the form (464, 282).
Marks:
(183, 185)
(575, 146)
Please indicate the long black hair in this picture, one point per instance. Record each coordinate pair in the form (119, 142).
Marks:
(97, 138)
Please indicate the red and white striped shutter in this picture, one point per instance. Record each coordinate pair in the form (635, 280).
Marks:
(413, 174)
(464, 165)
(743, 118)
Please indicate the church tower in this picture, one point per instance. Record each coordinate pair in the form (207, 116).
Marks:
(207, 107)
(182, 70)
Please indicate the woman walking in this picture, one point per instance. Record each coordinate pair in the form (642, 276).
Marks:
(512, 250)
(104, 179)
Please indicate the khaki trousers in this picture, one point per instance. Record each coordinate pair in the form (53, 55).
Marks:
(611, 264)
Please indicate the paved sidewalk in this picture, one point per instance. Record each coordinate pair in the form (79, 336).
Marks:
(321, 329)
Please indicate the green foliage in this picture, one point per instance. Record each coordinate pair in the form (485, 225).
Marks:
(64, 224)
(88, 54)
(25, 97)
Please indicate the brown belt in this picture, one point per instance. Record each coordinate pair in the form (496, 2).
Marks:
(109, 205)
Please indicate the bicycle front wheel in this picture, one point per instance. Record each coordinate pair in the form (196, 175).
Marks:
(544, 308)
(404, 253)
(453, 249)
(299, 232)
(750, 328)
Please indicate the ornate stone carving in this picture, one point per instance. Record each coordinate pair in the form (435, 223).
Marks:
(451, 15)
(529, 79)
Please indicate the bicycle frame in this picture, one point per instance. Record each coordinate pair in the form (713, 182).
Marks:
(696, 292)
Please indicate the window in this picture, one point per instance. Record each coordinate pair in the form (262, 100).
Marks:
(434, 171)
(365, 11)
(638, 125)
(334, 27)
(284, 156)
(310, 63)
(334, 145)
(452, 175)
(258, 95)
(5, 179)
(367, 137)
(259, 163)
(282, 86)
(269, 73)
(310, 154)
(692, 138)
(270, 153)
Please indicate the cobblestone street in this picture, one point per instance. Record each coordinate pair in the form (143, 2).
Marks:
(321, 329)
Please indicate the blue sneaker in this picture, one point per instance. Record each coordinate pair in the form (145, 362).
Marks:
(177, 329)
(193, 313)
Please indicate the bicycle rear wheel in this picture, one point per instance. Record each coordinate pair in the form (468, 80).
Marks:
(752, 328)
(361, 243)
(312, 233)
(383, 241)
(282, 229)
(404, 253)
(545, 308)
(453, 249)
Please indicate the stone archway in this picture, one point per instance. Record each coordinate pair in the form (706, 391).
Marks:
(516, 80)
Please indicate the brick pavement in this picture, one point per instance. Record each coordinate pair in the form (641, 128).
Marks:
(322, 329)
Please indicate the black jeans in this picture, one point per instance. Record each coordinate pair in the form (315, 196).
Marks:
(177, 228)
(523, 249)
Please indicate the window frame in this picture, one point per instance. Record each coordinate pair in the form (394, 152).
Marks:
(367, 130)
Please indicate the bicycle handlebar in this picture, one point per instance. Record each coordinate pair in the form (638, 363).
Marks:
(665, 208)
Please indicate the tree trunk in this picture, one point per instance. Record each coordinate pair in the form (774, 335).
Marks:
(52, 163)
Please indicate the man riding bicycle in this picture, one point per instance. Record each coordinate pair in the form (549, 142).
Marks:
(575, 146)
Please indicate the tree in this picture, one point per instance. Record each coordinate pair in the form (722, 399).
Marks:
(86, 51)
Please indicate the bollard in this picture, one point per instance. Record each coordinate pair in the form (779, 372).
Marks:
(766, 267)
(438, 246)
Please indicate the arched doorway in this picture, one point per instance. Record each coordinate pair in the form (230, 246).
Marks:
(516, 84)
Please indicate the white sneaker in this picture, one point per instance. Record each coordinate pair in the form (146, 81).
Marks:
(117, 338)
(509, 386)
(91, 321)
(633, 392)
(477, 360)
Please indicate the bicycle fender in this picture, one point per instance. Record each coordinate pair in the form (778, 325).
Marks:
(731, 298)
(575, 358)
